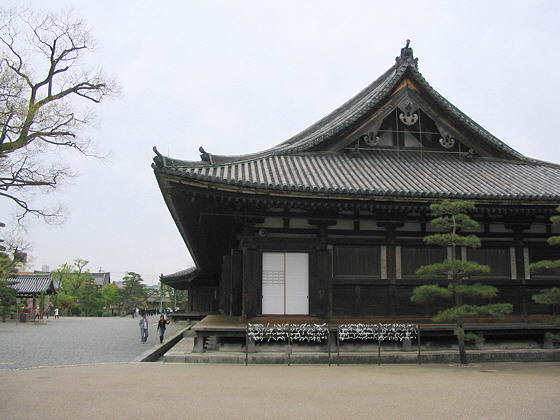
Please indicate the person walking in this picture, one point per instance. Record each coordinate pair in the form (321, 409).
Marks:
(56, 313)
(143, 329)
(161, 327)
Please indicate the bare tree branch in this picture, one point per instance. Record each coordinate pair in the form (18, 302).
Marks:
(43, 85)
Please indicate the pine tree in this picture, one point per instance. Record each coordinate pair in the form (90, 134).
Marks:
(8, 269)
(133, 294)
(550, 296)
(451, 218)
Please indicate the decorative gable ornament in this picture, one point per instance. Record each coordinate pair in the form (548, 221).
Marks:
(408, 117)
(371, 138)
(447, 142)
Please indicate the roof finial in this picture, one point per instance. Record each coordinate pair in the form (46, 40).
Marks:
(407, 56)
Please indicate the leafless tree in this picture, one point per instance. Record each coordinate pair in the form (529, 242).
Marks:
(45, 89)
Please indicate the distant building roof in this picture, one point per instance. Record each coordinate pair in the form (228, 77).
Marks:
(29, 285)
(101, 279)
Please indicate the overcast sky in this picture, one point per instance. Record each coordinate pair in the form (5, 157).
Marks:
(241, 76)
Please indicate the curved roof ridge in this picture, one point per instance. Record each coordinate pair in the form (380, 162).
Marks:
(465, 119)
(390, 75)
(308, 137)
(347, 114)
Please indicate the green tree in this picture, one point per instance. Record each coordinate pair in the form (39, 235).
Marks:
(8, 269)
(133, 294)
(11, 258)
(182, 299)
(550, 296)
(7, 297)
(452, 218)
(166, 292)
(68, 302)
(8, 264)
(70, 279)
(90, 298)
(110, 295)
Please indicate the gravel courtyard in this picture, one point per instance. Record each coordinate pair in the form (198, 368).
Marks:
(104, 384)
(217, 391)
(75, 341)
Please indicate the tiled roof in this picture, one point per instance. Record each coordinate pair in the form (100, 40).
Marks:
(101, 278)
(360, 105)
(372, 96)
(346, 114)
(385, 173)
(181, 279)
(32, 283)
(180, 274)
(298, 165)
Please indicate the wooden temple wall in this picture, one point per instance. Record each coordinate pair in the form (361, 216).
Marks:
(375, 275)
(203, 298)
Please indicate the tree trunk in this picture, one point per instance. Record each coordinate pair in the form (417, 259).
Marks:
(461, 341)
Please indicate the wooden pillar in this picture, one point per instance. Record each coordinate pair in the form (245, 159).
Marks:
(252, 282)
(236, 294)
(189, 298)
(390, 264)
(320, 271)
(320, 281)
(391, 276)
(521, 266)
(225, 286)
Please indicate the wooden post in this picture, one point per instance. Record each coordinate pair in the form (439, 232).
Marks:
(338, 345)
(378, 347)
(419, 346)
(329, 343)
(247, 345)
(289, 349)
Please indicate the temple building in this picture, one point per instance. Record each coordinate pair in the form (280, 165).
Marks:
(330, 223)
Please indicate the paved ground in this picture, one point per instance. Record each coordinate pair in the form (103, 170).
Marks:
(212, 391)
(75, 341)
(104, 385)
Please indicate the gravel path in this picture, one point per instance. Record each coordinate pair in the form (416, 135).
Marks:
(75, 341)
(212, 391)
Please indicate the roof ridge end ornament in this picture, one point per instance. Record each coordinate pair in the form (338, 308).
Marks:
(205, 156)
(407, 57)
(159, 159)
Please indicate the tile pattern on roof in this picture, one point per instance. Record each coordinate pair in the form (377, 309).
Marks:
(387, 173)
(345, 115)
(361, 104)
(180, 274)
(31, 283)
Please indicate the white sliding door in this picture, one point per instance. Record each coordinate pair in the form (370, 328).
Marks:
(273, 283)
(285, 285)
(297, 284)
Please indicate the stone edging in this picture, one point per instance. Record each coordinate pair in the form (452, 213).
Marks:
(158, 351)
